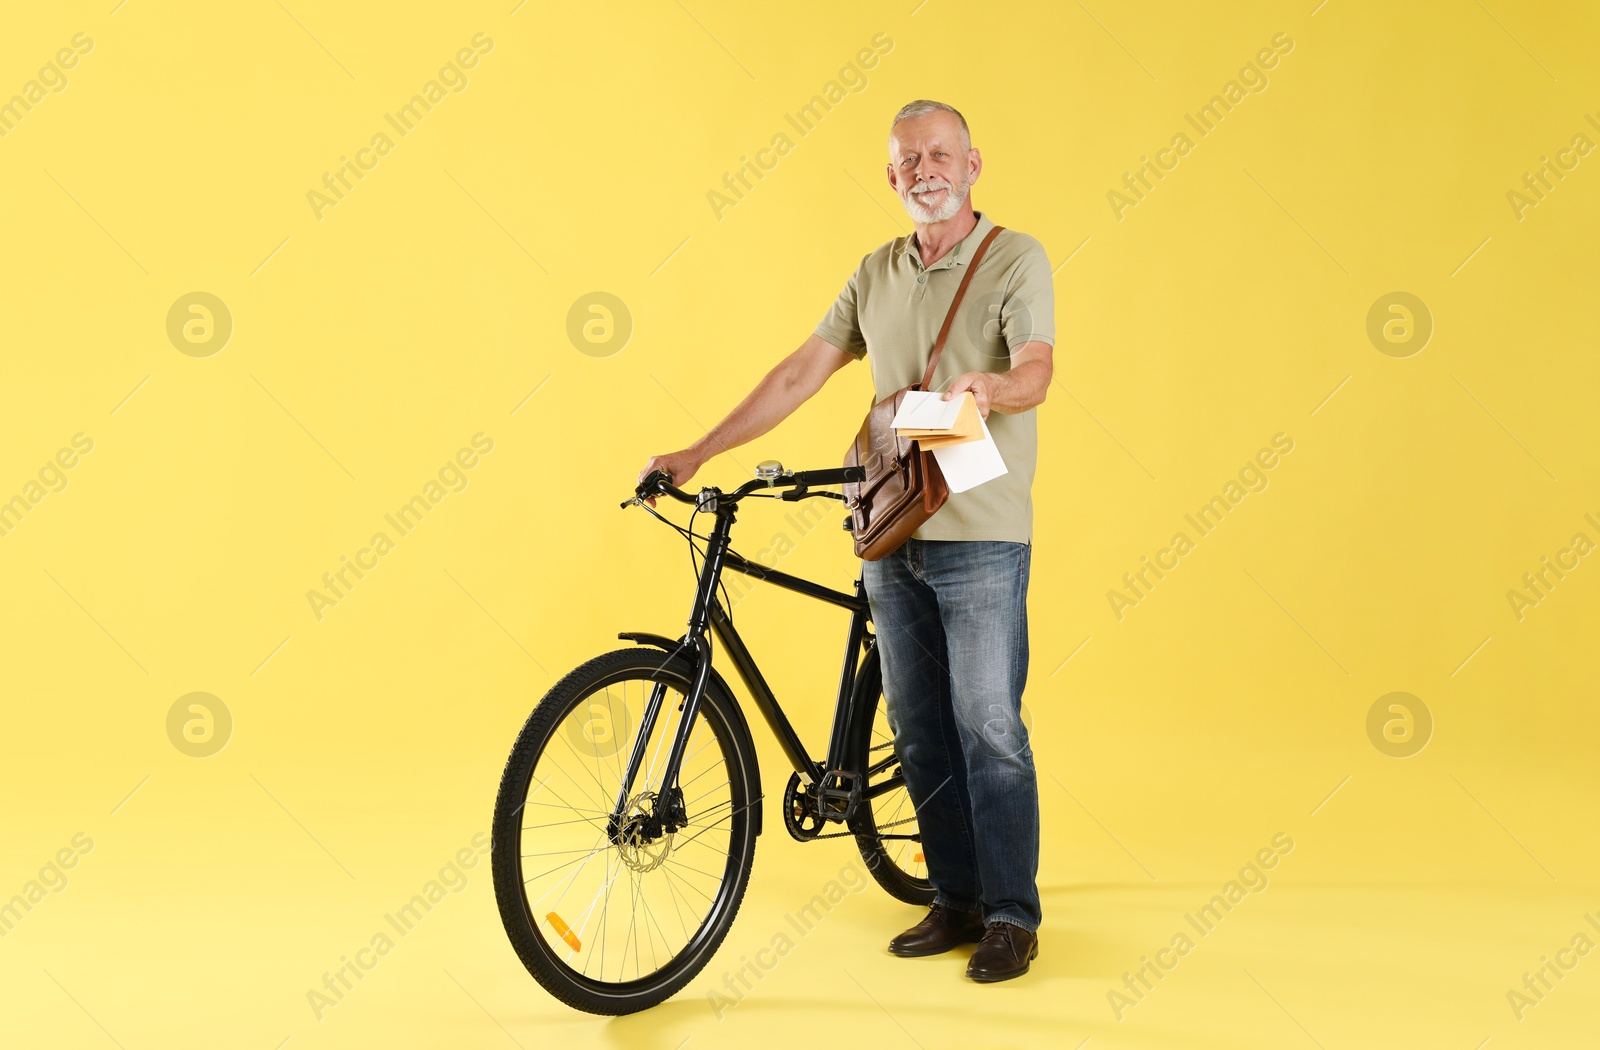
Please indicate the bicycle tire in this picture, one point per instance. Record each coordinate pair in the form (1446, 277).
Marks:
(892, 866)
(542, 958)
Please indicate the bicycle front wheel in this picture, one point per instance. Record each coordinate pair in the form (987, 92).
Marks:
(609, 911)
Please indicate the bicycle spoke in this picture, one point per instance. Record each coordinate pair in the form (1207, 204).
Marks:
(579, 757)
(587, 913)
(674, 896)
(605, 913)
(692, 886)
(557, 794)
(703, 845)
(703, 794)
(558, 867)
(691, 867)
(559, 823)
(582, 789)
(569, 881)
(665, 942)
(633, 923)
(690, 756)
(557, 853)
(571, 809)
(886, 809)
(729, 816)
(712, 809)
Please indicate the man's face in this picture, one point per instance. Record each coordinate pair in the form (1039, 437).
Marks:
(929, 168)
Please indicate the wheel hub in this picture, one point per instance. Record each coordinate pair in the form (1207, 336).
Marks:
(641, 840)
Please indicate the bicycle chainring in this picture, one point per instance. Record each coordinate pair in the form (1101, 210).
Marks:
(800, 815)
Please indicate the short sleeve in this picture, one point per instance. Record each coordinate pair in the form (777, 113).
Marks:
(1028, 311)
(842, 324)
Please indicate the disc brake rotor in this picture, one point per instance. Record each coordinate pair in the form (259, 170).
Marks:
(640, 840)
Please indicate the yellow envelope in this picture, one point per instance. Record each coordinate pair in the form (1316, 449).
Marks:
(967, 427)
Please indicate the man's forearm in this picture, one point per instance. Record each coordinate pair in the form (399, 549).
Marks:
(770, 403)
(1021, 388)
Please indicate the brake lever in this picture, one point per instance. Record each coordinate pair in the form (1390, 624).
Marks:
(802, 491)
(650, 478)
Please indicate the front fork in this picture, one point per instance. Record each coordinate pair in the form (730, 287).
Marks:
(668, 814)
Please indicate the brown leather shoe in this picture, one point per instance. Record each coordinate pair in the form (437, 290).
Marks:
(943, 929)
(1004, 952)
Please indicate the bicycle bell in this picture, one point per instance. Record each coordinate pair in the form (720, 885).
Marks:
(771, 470)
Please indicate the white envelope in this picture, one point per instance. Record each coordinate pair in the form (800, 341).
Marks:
(970, 463)
(926, 410)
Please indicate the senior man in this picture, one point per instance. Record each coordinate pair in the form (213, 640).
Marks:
(950, 605)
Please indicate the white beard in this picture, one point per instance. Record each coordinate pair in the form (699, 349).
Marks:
(954, 198)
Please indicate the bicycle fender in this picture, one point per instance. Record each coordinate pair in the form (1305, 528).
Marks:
(660, 641)
(858, 713)
(671, 645)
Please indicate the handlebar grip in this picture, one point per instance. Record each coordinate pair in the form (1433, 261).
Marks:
(832, 476)
(659, 483)
(652, 483)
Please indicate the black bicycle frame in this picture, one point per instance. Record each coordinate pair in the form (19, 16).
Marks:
(708, 613)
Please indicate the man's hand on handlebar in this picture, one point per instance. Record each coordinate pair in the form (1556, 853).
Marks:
(680, 467)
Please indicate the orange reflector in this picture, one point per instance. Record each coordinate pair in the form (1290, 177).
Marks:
(917, 856)
(565, 931)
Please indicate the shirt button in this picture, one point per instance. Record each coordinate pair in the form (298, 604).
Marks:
(922, 279)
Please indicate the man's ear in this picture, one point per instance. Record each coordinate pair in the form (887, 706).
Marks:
(975, 163)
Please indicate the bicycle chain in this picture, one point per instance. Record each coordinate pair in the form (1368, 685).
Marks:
(842, 834)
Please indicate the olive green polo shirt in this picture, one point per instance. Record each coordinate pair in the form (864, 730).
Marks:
(890, 312)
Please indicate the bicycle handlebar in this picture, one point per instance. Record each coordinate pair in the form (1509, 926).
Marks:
(832, 475)
(659, 483)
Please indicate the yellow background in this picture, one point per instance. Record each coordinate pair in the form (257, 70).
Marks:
(371, 343)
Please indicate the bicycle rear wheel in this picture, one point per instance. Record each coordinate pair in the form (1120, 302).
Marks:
(886, 821)
(614, 915)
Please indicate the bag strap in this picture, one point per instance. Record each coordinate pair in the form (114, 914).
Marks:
(966, 279)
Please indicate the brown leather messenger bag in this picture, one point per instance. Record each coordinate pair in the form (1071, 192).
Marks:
(903, 486)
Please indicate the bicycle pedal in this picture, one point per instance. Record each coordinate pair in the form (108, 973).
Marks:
(838, 793)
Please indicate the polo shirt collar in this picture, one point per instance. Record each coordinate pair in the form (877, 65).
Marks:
(955, 256)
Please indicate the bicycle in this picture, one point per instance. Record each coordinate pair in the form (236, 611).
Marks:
(588, 831)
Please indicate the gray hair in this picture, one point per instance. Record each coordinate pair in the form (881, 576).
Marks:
(924, 105)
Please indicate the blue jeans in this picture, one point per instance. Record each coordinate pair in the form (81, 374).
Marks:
(951, 621)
